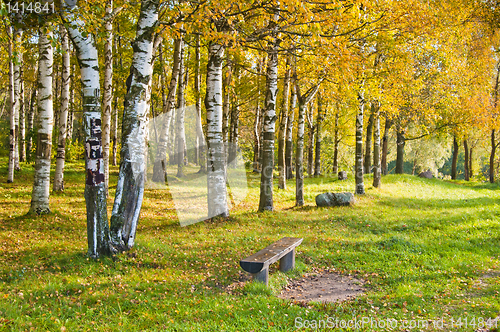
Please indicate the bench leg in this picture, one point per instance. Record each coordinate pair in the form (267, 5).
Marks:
(287, 262)
(261, 276)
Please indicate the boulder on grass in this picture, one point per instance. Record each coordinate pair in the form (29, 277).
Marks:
(334, 199)
(427, 174)
(343, 175)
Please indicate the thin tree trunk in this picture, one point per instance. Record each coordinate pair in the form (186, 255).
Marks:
(368, 145)
(71, 114)
(400, 150)
(466, 161)
(234, 126)
(268, 129)
(358, 168)
(289, 134)
(108, 92)
(257, 125)
(17, 89)
(385, 145)
(30, 122)
(283, 127)
(454, 159)
(180, 132)
(227, 97)
(164, 142)
(299, 154)
(376, 147)
(41, 183)
(22, 121)
(132, 175)
(12, 114)
(492, 157)
(310, 142)
(63, 112)
(471, 173)
(336, 144)
(115, 131)
(319, 122)
(216, 161)
(95, 196)
(197, 91)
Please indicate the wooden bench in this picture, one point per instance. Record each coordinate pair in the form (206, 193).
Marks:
(258, 263)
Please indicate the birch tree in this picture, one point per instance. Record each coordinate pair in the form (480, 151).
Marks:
(376, 147)
(269, 120)
(358, 167)
(95, 192)
(12, 114)
(289, 133)
(299, 154)
(159, 167)
(216, 160)
(132, 174)
(41, 183)
(108, 90)
(319, 122)
(63, 112)
(180, 137)
(283, 126)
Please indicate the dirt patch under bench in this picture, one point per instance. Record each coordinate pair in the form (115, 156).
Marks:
(325, 286)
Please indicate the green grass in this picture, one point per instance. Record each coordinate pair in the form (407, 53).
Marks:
(428, 249)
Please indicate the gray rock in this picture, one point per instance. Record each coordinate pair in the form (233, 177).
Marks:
(343, 175)
(427, 174)
(334, 199)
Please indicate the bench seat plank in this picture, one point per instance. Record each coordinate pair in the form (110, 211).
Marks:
(267, 256)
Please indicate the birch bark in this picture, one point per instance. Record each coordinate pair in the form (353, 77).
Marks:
(95, 195)
(132, 174)
(358, 168)
(216, 161)
(268, 128)
(159, 167)
(41, 183)
(319, 122)
(289, 134)
(108, 92)
(376, 147)
(63, 112)
(181, 103)
(12, 114)
(283, 127)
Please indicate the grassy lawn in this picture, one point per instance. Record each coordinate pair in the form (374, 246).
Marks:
(427, 249)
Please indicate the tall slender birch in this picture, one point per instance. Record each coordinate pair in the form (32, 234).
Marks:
(132, 175)
(385, 145)
(319, 138)
(160, 165)
(22, 121)
(30, 119)
(289, 133)
(41, 183)
(226, 103)
(283, 126)
(95, 195)
(358, 167)
(18, 63)
(180, 136)
(107, 91)
(299, 154)
(12, 114)
(216, 161)
(63, 111)
(199, 147)
(368, 145)
(257, 124)
(376, 146)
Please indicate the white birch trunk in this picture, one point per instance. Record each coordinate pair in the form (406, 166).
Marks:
(107, 93)
(95, 196)
(132, 175)
(17, 90)
(376, 147)
(358, 167)
(289, 134)
(12, 114)
(283, 127)
(179, 121)
(63, 112)
(268, 129)
(160, 165)
(22, 123)
(200, 148)
(216, 161)
(41, 183)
